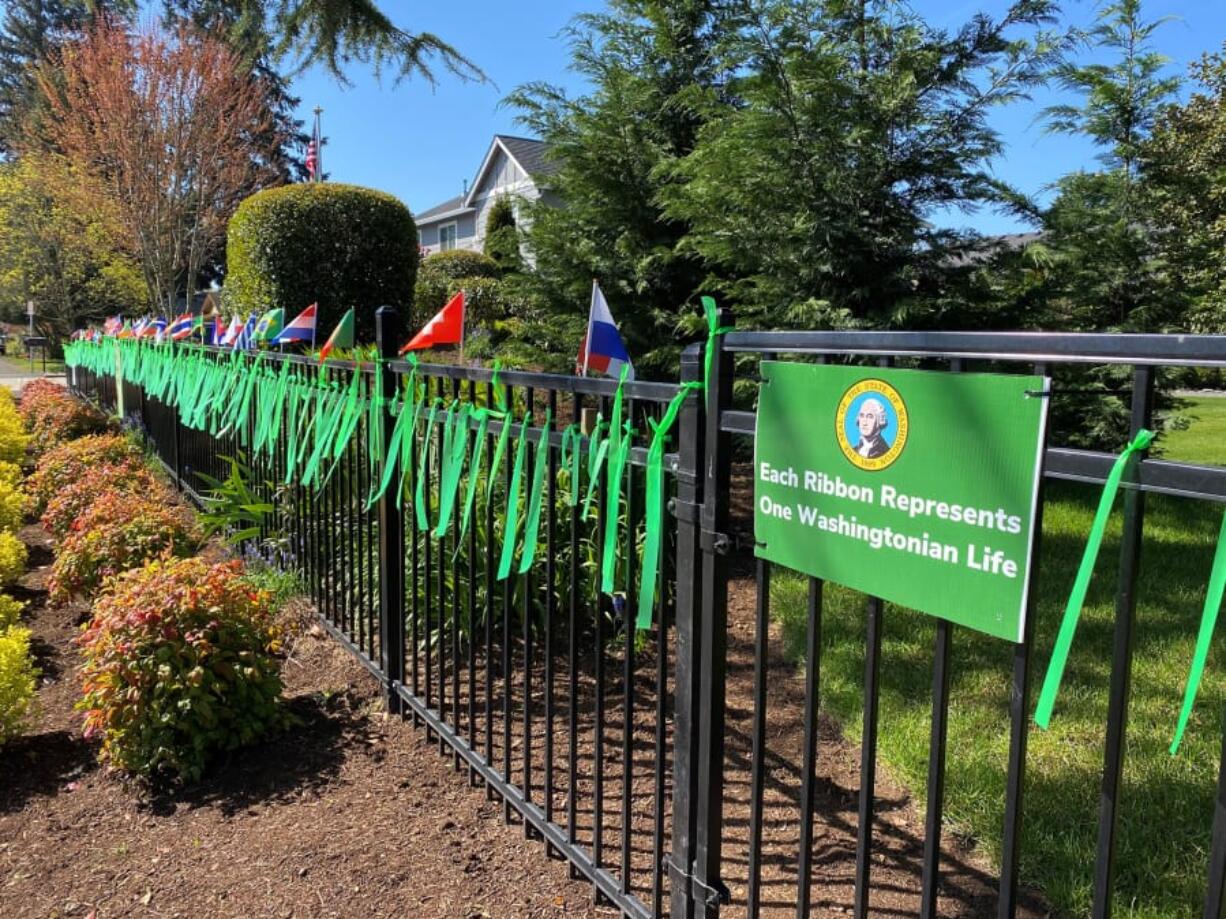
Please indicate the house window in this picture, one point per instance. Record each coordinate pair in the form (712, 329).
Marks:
(446, 237)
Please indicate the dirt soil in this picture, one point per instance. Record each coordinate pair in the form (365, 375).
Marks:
(351, 814)
(354, 814)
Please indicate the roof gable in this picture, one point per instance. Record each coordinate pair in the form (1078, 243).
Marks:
(528, 154)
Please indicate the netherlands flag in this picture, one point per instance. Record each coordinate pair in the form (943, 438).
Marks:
(301, 328)
(602, 350)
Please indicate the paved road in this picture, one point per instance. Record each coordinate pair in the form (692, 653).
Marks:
(15, 378)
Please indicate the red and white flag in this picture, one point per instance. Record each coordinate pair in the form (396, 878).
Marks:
(446, 328)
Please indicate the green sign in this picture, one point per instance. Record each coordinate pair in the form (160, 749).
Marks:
(914, 486)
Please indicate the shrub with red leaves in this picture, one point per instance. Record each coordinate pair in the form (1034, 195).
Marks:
(181, 663)
(53, 415)
(128, 477)
(70, 462)
(118, 532)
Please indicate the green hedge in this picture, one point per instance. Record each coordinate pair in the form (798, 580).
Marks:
(439, 271)
(342, 246)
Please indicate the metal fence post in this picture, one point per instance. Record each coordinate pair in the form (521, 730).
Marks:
(391, 527)
(703, 545)
(686, 703)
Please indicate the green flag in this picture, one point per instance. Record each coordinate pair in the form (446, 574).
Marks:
(270, 324)
(341, 337)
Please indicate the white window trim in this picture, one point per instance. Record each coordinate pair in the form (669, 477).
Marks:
(442, 226)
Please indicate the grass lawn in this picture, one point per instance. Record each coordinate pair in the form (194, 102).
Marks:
(22, 364)
(1167, 806)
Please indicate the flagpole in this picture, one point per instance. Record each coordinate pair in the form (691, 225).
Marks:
(319, 153)
(463, 322)
(587, 333)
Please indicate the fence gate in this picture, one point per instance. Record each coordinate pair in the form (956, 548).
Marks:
(623, 749)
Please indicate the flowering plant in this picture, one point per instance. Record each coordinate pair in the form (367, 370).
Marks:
(181, 662)
(13, 439)
(60, 466)
(118, 532)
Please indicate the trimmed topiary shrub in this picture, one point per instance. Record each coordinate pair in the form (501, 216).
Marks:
(181, 663)
(341, 246)
(437, 274)
(116, 533)
(501, 236)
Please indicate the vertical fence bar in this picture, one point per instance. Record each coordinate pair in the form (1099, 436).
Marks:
(936, 771)
(1019, 719)
(808, 790)
(868, 754)
(1121, 663)
(757, 768)
(713, 635)
(551, 549)
(531, 457)
(691, 460)
(391, 524)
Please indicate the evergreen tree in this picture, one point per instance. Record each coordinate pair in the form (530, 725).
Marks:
(1097, 226)
(501, 235)
(1183, 171)
(649, 63)
(29, 31)
(856, 122)
(245, 27)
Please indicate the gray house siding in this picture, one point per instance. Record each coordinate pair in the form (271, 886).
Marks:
(499, 174)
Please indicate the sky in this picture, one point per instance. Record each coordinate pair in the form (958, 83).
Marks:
(421, 143)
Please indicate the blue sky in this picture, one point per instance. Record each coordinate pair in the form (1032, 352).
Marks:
(420, 144)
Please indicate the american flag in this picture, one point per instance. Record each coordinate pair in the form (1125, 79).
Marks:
(312, 159)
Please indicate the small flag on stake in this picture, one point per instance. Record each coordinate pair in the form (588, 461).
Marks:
(341, 337)
(446, 328)
(246, 335)
(231, 333)
(301, 328)
(182, 327)
(269, 326)
(602, 350)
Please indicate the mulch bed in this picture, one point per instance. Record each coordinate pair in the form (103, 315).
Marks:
(350, 814)
(355, 814)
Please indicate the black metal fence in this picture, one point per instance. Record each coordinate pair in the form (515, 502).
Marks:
(614, 746)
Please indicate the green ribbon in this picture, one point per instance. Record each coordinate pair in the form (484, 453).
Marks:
(714, 330)
(419, 495)
(619, 447)
(1072, 611)
(474, 472)
(571, 443)
(1208, 619)
(654, 515)
(597, 449)
(532, 524)
(512, 516)
(453, 458)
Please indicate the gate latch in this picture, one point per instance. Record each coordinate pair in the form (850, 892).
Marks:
(709, 897)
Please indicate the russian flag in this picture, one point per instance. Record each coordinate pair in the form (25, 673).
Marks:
(301, 328)
(602, 350)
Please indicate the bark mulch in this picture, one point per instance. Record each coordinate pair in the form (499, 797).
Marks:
(351, 814)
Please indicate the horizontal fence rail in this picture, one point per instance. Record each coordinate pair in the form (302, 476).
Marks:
(651, 760)
(537, 685)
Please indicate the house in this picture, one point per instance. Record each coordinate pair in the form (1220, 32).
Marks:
(514, 166)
